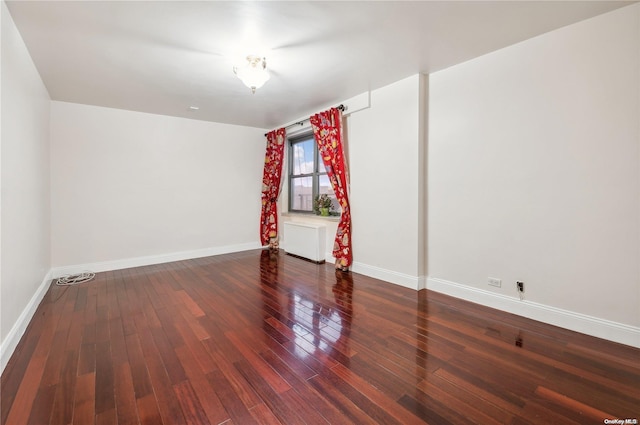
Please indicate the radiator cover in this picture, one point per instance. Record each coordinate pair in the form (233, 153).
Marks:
(305, 240)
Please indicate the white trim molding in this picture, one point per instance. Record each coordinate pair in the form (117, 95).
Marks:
(401, 279)
(408, 281)
(8, 346)
(127, 263)
(589, 325)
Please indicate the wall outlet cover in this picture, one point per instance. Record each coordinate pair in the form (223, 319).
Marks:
(495, 282)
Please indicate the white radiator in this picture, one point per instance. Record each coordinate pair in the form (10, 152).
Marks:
(305, 240)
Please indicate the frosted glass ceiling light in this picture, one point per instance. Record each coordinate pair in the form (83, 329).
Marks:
(253, 73)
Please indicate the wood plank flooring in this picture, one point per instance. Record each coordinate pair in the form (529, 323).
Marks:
(262, 338)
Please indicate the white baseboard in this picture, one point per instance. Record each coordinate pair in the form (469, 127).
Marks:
(589, 325)
(127, 263)
(600, 328)
(408, 281)
(8, 346)
(422, 282)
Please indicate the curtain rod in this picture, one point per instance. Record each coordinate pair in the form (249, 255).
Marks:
(340, 107)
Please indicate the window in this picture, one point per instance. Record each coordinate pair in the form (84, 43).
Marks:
(307, 176)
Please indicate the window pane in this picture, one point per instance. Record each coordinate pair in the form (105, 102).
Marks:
(302, 193)
(303, 157)
(325, 187)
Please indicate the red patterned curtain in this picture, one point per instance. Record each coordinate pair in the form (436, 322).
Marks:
(327, 130)
(271, 178)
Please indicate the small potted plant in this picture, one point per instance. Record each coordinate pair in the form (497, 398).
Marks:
(322, 205)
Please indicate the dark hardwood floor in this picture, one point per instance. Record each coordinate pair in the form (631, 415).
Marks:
(258, 338)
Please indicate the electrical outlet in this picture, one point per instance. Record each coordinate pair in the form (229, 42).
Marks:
(520, 286)
(494, 282)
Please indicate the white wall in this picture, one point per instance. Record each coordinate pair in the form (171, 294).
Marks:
(534, 171)
(385, 150)
(128, 185)
(24, 199)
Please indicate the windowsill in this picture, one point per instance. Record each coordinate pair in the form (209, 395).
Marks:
(310, 217)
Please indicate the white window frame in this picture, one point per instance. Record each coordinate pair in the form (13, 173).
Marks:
(315, 175)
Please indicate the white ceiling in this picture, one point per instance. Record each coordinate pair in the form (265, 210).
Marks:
(162, 57)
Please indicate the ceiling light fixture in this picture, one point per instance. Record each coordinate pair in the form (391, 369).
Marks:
(253, 73)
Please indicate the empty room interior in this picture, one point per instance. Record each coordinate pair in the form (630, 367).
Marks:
(312, 212)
